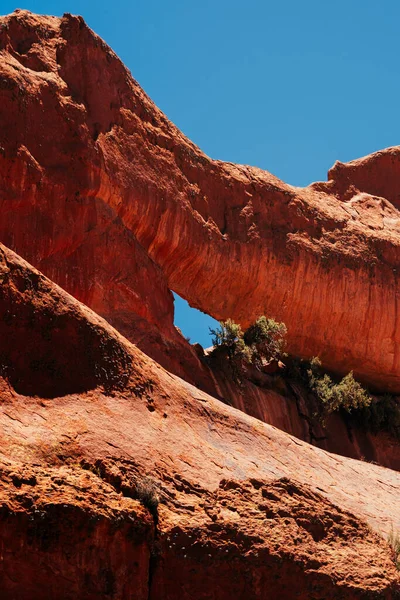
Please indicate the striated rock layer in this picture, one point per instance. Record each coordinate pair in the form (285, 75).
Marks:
(246, 511)
(49, 206)
(124, 207)
(290, 406)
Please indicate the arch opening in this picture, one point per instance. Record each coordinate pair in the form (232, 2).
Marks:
(194, 324)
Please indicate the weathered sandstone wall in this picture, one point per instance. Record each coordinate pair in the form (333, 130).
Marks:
(119, 198)
(102, 193)
(246, 511)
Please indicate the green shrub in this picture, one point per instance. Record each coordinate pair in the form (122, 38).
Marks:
(228, 338)
(383, 414)
(266, 340)
(228, 334)
(262, 341)
(348, 394)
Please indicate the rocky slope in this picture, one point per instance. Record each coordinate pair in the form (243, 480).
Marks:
(84, 144)
(119, 479)
(289, 405)
(124, 207)
(246, 511)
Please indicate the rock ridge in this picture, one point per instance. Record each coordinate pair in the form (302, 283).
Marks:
(113, 167)
(241, 502)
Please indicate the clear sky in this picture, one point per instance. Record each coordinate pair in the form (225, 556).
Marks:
(287, 86)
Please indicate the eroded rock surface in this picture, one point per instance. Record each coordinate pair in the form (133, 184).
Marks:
(66, 534)
(287, 404)
(124, 207)
(246, 510)
(102, 193)
(50, 165)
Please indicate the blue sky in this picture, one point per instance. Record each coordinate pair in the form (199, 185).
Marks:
(287, 86)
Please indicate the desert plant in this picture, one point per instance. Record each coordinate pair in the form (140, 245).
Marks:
(383, 414)
(266, 339)
(348, 394)
(228, 339)
(148, 493)
(228, 335)
(263, 341)
(394, 542)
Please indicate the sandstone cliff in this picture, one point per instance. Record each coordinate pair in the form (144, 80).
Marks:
(84, 144)
(246, 511)
(288, 405)
(109, 200)
(123, 207)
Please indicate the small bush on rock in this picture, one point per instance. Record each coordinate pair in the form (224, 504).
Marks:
(348, 394)
(262, 342)
(229, 336)
(147, 492)
(266, 339)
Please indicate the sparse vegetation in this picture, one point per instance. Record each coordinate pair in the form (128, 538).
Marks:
(371, 413)
(394, 542)
(260, 343)
(266, 339)
(347, 394)
(229, 336)
(148, 493)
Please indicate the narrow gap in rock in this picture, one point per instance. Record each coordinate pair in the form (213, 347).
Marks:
(194, 324)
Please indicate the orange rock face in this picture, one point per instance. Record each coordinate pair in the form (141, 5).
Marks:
(117, 478)
(66, 534)
(245, 510)
(48, 188)
(290, 407)
(88, 162)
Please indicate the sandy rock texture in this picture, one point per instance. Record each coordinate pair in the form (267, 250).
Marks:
(49, 173)
(245, 510)
(124, 208)
(118, 478)
(291, 407)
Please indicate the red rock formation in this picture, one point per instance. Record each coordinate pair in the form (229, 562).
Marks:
(48, 179)
(373, 175)
(123, 207)
(89, 162)
(66, 534)
(292, 408)
(86, 241)
(246, 510)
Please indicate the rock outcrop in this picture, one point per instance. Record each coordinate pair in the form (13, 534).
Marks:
(289, 405)
(118, 198)
(121, 479)
(244, 511)
(64, 533)
(49, 205)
